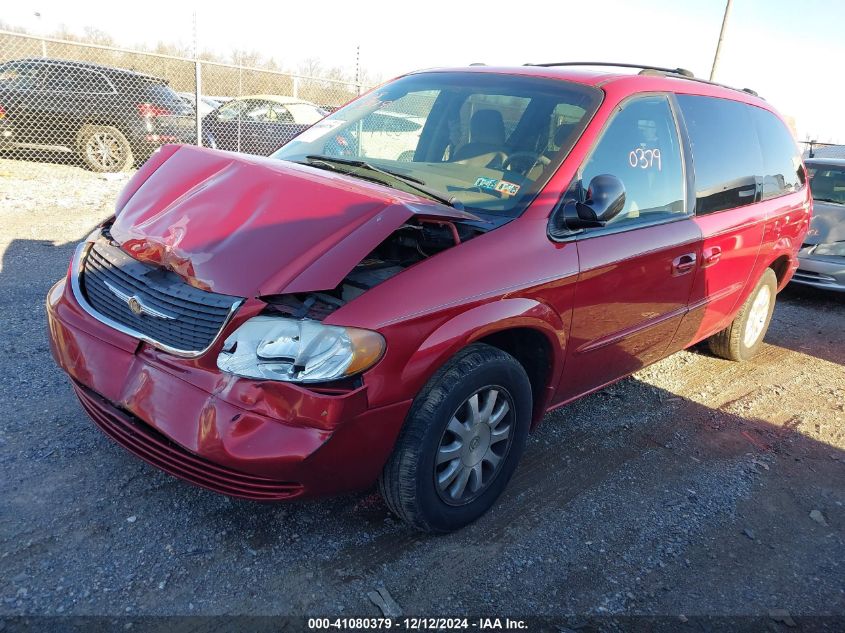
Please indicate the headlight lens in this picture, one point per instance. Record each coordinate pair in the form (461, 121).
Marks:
(294, 350)
(834, 249)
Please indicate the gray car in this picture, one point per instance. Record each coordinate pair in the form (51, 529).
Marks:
(822, 258)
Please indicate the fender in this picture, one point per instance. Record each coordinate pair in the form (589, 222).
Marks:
(783, 235)
(480, 322)
(783, 247)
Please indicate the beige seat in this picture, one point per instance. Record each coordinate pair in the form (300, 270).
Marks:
(563, 133)
(486, 144)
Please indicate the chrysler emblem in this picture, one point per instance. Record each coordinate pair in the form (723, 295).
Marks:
(136, 304)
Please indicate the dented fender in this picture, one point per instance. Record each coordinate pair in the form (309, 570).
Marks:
(482, 321)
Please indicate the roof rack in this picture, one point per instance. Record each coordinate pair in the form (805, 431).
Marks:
(681, 73)
(675, 71)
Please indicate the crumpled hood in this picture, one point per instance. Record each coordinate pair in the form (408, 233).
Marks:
(250, 226)
(827, 225)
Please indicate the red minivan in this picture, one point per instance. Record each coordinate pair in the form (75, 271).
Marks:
(400, 293)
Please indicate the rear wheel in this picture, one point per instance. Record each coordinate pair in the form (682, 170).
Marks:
(461, 442)
(743, 338)
(104, 148)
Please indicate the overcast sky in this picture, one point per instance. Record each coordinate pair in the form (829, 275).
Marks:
(785, 50)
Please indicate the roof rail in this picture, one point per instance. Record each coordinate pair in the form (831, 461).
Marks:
(681, 73)
(675, 71)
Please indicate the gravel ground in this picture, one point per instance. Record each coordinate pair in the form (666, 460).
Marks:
(696, 487)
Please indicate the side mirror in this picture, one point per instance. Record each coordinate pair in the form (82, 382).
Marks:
(605, 200)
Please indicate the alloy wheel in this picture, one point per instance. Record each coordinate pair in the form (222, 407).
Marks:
(105, 149)
(757, 316)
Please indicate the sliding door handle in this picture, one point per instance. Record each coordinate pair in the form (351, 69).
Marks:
(711, 256)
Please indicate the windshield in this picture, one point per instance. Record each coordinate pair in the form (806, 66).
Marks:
(488, 141)
(827, 182)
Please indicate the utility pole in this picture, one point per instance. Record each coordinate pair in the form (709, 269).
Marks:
(358, 68)
(721, 37)
(41, 31)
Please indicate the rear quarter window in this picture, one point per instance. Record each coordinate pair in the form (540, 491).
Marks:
(162, 94)
(783, 172)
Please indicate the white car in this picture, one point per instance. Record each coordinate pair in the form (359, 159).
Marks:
(207, 104)
(390, 135)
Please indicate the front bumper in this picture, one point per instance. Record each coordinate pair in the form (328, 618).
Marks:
(826, 273)
(239, 437)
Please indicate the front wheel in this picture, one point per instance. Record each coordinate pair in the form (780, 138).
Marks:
(743, 338)
(461, 442)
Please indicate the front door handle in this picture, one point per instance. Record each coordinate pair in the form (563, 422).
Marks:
(683, 264)
(711, 256)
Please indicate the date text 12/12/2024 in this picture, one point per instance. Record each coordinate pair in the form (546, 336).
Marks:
(417, 624)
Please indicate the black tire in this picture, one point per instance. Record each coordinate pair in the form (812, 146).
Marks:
(731, 342)
(117, 155)
(407, 482)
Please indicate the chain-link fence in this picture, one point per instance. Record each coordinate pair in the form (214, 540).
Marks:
(110, 108)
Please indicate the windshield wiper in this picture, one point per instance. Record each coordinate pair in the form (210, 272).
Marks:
(410, 181)
(828, 200)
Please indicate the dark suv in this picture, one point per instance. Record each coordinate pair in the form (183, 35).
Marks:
(110, 117)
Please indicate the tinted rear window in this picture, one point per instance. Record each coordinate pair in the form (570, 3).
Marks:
(726, 153)
(162, 93)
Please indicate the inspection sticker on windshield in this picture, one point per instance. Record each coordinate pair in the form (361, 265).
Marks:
(321, 128)
(502, 186)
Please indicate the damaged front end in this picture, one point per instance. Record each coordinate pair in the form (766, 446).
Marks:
(288, 340)
(289, 243)
(413, 242)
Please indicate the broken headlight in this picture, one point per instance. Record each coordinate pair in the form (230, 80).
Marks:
(298, 350)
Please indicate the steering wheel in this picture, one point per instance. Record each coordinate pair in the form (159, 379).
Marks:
(517, 157)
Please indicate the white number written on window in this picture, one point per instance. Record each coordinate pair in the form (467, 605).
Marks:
(645, 158)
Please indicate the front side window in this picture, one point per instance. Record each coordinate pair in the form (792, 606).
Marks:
(640, 147)
(485, 140)
(725, 150)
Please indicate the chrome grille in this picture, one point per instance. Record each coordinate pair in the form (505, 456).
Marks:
(167, 311)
